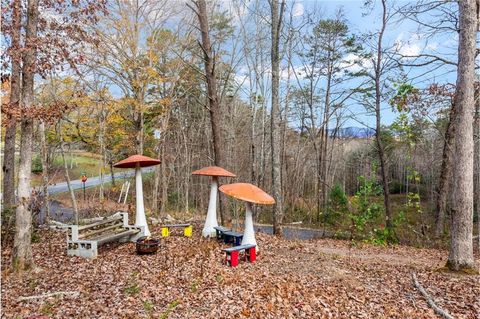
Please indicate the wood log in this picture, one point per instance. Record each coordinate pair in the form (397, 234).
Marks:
(89, 234)
(431, 302)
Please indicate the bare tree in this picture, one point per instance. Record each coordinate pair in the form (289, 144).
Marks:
(214, 105)
(67, 178)
(461, 244)
(276, 119)
(22, 249)
(445, 174)
(477, 156)
(15, 96)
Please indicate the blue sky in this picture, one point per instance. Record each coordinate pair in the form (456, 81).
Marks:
(405, 33)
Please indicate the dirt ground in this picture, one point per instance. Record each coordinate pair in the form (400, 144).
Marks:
(186, 279)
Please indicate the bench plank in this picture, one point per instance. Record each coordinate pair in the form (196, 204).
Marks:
(238, 248)
(106, 221)
(87, 235)
(232, 233)
(177, 225)
(112, 237)
(83, 241)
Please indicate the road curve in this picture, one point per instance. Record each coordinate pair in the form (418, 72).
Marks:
(92, 181)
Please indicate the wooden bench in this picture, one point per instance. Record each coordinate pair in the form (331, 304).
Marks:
(83, 240)
(231, 237)
(231, 257)
(220, 230)
(187, 229)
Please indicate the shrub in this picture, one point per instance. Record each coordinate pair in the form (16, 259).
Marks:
(37, 167)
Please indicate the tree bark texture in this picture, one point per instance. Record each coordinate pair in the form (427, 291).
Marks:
(275, 119)
(445, 174)
(213, 100)
(67, 179)
(378, 100)
(45, 180)
(477, 158)
(22, 250)
(11, 129)
(461, 241)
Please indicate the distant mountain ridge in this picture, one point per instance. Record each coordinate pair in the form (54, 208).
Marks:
(352, 132)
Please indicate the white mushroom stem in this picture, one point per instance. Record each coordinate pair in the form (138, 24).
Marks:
(249, 232)
(211, 221)
(140, 219)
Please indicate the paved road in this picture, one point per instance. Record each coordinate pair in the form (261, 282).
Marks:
(94, 181)
(63, 214)
(296, 232)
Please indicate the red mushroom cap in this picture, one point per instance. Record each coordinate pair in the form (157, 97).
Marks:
(132, 161)
(247, 192)
(213, 171)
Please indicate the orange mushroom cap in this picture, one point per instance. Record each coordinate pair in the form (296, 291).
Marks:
(213, 171)
(247, 192)
(132, 161)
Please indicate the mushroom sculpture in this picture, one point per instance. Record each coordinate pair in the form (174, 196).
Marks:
(250, 194)
(215, 172)
(138, 161)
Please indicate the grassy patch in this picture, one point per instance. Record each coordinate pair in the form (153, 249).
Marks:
(77, 163)
(132, 288)
(170, 308)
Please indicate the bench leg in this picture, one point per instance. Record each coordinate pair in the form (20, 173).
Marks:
(232, 259)
(85, 250)
(251, 254)
(165, 231)
(187, 232)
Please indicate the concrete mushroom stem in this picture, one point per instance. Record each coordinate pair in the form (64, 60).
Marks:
(140, 218)
(211, 220)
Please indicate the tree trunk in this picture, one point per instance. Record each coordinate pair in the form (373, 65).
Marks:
(461, 244)
(11, 129)
(213, 101)
(45, 182)
(67, 178)
(275, 121)
(378, 100)
(9, 162)
(477, 157)
(101, 142)
(112, 175)
(326, 119)
(22, 249)
(445, 174)
(156, 183)
(163, 164)
(138, 120)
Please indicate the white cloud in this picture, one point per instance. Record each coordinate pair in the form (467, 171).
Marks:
(354, 63)
(297, 9)
(285, 72)
(409, 49)
(414, 45)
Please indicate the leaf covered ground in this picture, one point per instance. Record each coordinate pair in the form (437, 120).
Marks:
(186, 279)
